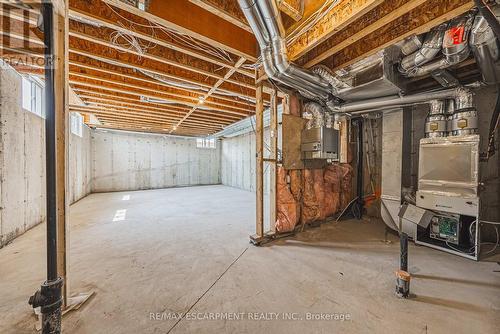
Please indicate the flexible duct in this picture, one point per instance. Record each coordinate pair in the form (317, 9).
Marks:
(315, 113)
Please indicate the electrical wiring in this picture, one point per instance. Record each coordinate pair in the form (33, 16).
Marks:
(469, 251)
(179, 37)
(459, 250)
(489, 222)
(496, 244)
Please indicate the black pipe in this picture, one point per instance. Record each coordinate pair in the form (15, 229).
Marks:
(402, 275)
(358, 205)
(50, 142)
(403, 251)
(493, 127)
(488, 16)
(49, 297)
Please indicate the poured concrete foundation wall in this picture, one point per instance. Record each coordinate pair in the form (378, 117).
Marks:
(22, 162)
(80, 165)
(238, 160)
(133, 161)
(22, 158)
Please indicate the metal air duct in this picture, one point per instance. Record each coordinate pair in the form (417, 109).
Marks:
(263, 21)
(484, 45)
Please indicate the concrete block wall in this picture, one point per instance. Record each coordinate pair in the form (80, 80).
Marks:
(133, 161)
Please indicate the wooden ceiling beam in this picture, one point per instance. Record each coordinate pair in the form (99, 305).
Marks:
(375, 19)
(228, 10)
(417, 21)
(162, 113)
(210, 92)
(155, 88)
(131, 74)
(93, 100)
(110, 56)
(162, 55)
(106, 119)
(122, 98)
(85, 60)
(156, 36)
(125, 127)
(344, 13)
(292, 8)
(125, 114)
(118, 89)
(189, 19)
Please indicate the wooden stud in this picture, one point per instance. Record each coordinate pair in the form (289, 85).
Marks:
(273, 168)
(259, 171)
(62, 145)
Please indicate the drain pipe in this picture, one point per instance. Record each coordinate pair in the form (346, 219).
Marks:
(49, 297)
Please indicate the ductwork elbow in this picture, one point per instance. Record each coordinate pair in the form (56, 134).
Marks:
(430, 48)
(485, 47)
(454, 40)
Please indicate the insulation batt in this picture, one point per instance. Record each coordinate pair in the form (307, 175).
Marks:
(332, 191)
(312, 195)
(287, 215)
(311, 210)
(319, 191)
(296, 189)
(346, 184)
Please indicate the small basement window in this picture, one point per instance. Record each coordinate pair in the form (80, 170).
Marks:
(32, 93)
(77, 124)
(205, 143)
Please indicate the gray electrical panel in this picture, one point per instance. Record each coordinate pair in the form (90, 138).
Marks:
(320, 143)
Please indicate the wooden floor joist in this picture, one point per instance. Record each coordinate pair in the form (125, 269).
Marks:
(152, 35)
(111, 73)
(417, 21)
(148, 94)
(344, 13)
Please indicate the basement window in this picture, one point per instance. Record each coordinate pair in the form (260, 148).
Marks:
(32, 94)
(205, 143)
(76, 124)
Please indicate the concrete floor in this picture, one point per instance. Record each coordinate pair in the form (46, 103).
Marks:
(187, 250)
